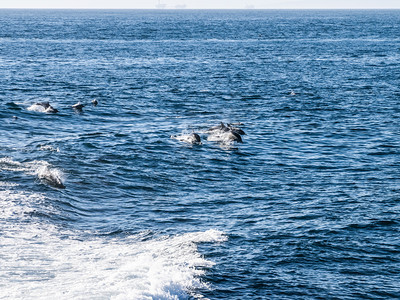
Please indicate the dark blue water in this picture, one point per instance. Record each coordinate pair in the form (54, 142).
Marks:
(308, 207)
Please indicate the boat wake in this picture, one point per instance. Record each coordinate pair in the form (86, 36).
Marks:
(39, 259)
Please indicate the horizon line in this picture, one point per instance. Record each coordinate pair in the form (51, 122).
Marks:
(163, 9)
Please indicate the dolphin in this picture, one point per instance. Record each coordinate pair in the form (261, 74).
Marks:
(192, 138)
(196, 138)
(43, 107)
(225, 137)
(51, 176)
(54, 182)
(236, 129)
(78, 106)
(233, 136)
(220, 127)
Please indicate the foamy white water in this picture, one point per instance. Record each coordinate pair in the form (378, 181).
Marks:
(41, 261)
(49, 148)
(37, 108)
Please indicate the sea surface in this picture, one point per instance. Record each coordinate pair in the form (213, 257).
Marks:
(103, 204)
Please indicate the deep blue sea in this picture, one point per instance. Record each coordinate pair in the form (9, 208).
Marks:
(103, 204)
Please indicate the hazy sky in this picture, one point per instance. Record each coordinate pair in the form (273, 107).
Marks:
(261, 4)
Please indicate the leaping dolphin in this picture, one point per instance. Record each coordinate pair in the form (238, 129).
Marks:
(225, 134)
(43, 107)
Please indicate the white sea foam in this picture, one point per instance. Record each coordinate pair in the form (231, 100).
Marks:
(49, 148)
(39, 261)
(39, 168)
(7, 184)
(224, 138)
(16, 205)
(37, 108)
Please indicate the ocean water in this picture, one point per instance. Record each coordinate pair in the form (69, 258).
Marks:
(104, 204)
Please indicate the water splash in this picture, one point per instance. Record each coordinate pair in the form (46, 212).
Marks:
(52, 176)
(39, 168)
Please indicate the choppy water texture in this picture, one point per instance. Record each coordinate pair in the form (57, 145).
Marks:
(104, 204)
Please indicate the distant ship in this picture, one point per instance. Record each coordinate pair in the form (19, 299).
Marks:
(180, 6)
(160, 5)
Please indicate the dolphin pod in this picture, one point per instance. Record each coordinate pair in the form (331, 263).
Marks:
(223, 134)
(46, 174)
(47, 108)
